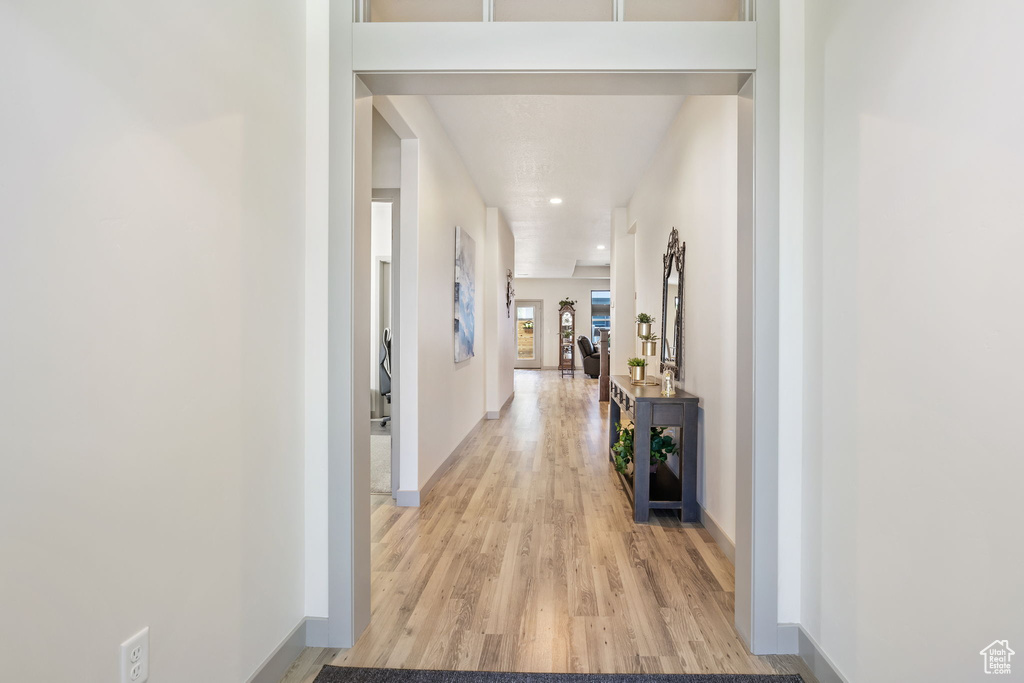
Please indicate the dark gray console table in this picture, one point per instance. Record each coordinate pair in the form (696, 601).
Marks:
(662, 490)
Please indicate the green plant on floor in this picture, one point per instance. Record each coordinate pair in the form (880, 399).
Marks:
(662, 446)
(566, 302)
(637, 363)
(623, 448)
(644, 318)
(649, 337)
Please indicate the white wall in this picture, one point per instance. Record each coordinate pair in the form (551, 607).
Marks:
(151, 289)
(551, 291)
(316, 302)
(623, 287)
(500, 320)
(912, 473)
(387, 155)
(451, 396)
(791, 333)
(691, 185)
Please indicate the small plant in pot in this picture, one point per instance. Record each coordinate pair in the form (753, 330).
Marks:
(643, 324)
(662, 446)
(566, 334)
(648, 344)
(567, 302)
(528, 325)
(637, 369)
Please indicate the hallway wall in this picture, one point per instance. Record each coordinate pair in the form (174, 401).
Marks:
(912, 446)
(551, 291)
(691, 185)
(501, 324)
(151, 289)
(452, 396)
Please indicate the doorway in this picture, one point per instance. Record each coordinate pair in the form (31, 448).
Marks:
(755, 574)
(529, 334)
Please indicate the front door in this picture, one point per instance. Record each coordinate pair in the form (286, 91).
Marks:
(529, 317)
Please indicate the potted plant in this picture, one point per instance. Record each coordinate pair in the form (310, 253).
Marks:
(643, 324)
(567, 302)
(637, 369)
(648, 345)
(662, 446)
(528, 325)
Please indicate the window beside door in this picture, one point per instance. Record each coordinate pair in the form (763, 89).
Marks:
(600, 313)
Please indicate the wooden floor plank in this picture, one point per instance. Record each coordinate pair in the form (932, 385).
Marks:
(524, 557)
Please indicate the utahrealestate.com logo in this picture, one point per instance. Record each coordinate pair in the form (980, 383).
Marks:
(997, 657)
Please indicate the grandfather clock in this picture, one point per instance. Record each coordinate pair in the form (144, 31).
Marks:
(566, 340)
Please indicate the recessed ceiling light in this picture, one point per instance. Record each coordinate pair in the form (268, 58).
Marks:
(556, 200)
(600, 246)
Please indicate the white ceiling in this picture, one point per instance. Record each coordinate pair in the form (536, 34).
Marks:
(591, 151)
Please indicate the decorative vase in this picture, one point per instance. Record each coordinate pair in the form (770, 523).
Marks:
(638, 373)
(643, 329)
(648, 348)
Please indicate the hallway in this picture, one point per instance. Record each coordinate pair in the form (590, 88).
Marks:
(524, 558)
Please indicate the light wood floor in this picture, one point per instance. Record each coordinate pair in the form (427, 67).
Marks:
(525, 557)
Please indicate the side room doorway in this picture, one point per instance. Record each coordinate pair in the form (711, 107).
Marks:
(383, 368)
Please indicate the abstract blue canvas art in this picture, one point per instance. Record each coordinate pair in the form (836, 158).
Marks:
(465, 295)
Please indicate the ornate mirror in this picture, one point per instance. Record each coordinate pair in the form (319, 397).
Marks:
(672, 306)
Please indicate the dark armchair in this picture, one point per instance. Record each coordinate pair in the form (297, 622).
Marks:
(591, 357)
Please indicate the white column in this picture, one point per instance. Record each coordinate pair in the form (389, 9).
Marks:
(623, 292)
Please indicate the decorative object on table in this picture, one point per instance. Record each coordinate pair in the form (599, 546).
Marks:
(465, 295)
(527, 324)
(510, 293)
(643, 324)
(649, 345)
(668, 384)
(674, 485)
(662, 446)
(647, 341)
(637, 370)
(567, 330)
(672, 306)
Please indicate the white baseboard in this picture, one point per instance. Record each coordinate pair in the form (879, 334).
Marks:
(793, 639)
(407, 499)
(789, 639)
(316, 632)
(413, 499)
(276, 665)
(496, 414)
(724, 542)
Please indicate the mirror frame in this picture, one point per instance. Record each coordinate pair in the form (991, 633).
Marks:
(674, 253)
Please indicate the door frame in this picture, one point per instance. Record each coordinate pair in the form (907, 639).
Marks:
(538, 335)
(348, 565)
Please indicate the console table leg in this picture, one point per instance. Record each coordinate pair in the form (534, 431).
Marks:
(688, 466)
(642, 463)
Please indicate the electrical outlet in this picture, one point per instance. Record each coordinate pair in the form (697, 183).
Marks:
(135, 658)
